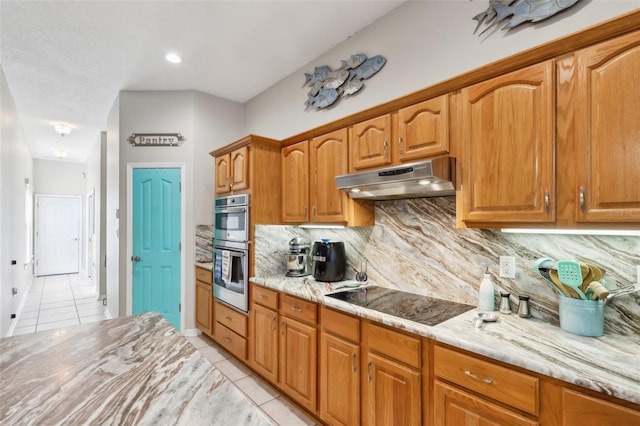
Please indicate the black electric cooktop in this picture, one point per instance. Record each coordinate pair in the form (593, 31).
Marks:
(414, 307)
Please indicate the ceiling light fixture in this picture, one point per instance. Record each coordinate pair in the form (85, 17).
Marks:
(60, 153)
(173, 58)
(63, 129)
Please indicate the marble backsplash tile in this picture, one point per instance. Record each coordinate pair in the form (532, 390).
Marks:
(415, 247)
(204, 243)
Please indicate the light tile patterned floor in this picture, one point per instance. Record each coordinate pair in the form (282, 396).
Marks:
(59, 301)
(260, 392)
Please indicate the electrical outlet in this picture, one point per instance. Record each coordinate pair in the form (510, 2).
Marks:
(507, 266)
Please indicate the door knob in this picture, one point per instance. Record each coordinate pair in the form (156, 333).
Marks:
(135, 258)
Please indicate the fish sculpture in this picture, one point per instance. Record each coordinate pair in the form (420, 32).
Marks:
(353, 61)
(368, 68)
(319, 74)
(323, 99)
(327, 86)
(351, 88)
(518, 11)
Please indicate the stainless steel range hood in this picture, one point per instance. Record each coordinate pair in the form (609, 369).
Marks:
(431, 178)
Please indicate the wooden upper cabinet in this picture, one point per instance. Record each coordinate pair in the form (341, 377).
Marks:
(239, 169)
(509, 147)
(608, 131)
(369, 143)
(232, 171)
(328, 159)
(423, 129)
(413, 133)
(295, 183)
(223, 173)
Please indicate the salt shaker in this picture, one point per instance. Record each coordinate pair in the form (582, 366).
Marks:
(505, 308)
(523, 307)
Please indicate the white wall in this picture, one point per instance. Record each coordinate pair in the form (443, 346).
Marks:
(206, 122)
(59, 177)
(16, 165)
(424, 42)
(111, 222)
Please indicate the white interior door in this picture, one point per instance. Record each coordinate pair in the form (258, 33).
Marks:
(57, 234)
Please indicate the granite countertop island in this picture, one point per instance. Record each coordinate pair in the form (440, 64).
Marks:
(133, 370)
(607, 364)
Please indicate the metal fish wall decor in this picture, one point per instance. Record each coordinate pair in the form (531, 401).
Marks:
(515, 12)
(328, 86)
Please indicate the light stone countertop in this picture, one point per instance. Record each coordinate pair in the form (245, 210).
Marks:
(205, 265)
(608, 364)
(131, 370)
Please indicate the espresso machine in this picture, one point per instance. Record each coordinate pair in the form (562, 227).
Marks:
(299, 258)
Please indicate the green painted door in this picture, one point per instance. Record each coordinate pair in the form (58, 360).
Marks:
(156, 242)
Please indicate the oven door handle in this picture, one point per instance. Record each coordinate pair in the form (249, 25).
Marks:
(232, 210)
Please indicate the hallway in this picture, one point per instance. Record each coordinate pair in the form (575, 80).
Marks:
(57, 301)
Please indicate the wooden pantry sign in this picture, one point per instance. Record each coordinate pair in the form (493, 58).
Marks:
(156, 139)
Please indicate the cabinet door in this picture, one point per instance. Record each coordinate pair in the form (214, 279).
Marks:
(608, 131)
(264, 348)
(328, 158)
(369, 144)
(339, 381)
(240, 169)
(298, 370)
(295, 183)
(583, 410)
(509, 147)
(453, 407)
(391, 393)
(423, 129)
(204, 306)
(223, 174)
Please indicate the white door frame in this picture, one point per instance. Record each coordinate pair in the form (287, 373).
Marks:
(37, 230)
(129, 253)
(90, 251)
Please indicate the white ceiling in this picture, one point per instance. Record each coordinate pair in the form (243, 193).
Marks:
(67, 60)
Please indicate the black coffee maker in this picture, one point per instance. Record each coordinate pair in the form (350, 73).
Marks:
(329, 260)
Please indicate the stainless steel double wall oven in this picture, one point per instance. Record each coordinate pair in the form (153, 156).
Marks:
(231, 251)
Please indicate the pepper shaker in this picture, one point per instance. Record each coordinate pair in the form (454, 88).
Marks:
(505, 308)
(523, 307)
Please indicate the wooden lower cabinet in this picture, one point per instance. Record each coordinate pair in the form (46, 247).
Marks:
(454, 407)
(264, 352)
(297, 373)
(204, 301)
(391, 377)
(583, 410)
(339, 368)
(230, 329)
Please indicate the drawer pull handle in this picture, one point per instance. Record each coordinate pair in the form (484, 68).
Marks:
(273, 323)
(226, 339)
(262, 296)
(353, 362)
(227, 318)
(369, 371)
(582, 199)
(546, 202)
(481, 379)
(282, 328)
(296, 309)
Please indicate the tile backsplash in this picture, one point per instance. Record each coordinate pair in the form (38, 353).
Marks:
(415, 247)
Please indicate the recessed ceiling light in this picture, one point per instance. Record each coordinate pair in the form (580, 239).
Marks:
(173, 58)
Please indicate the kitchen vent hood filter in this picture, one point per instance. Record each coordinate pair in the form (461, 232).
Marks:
(431, 178)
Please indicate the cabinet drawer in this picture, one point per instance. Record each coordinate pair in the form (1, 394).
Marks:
(302, 310)
(204, 275)
(339, 324)
(264, 296)
(394, 345)
(516, 389)
(229, 340)
(231, 319)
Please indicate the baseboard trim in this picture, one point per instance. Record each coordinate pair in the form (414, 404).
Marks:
(192, 332)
